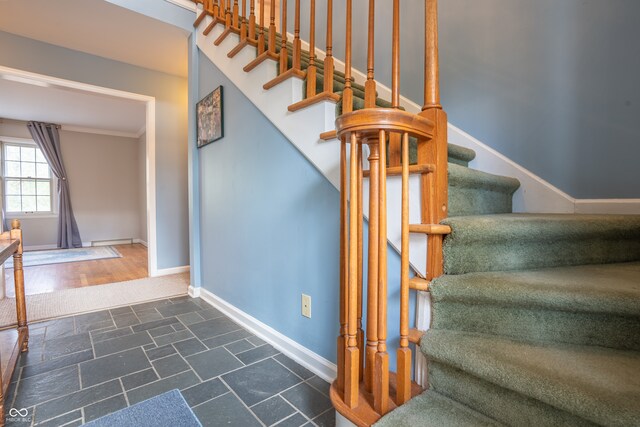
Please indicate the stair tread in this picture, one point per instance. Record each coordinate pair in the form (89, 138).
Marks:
(597, 288)
(473, 178)
(433, 409)
(530, 241)
(596, 383)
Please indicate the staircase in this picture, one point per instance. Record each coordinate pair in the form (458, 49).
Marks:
(535, 317)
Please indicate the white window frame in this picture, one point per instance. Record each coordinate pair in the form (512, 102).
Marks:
(18, 142)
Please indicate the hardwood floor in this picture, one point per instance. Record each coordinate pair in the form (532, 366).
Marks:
(48, 278)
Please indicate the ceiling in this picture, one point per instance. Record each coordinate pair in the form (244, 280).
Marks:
(69, 107)
(99, 28)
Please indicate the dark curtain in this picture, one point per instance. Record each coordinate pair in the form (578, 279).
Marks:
(47, 138)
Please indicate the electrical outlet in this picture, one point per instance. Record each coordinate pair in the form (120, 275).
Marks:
(306, 305)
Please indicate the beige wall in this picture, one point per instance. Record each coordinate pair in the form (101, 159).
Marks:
(105, 182)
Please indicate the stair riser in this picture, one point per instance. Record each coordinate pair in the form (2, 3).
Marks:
(528, 254)
(497, 402)
(526, 324)
(472, 201)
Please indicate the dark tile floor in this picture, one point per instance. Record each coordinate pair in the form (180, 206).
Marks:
(83, 367)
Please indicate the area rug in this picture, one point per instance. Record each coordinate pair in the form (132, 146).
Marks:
(59, 256)
(165, 410)
(93, 298)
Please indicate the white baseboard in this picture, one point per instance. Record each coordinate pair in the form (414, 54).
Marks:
(126, 241)
(194, 292)
(302, 355)
(142, 242)
(170, 271)
(40, 247)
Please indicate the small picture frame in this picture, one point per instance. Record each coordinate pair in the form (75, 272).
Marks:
(209, 118)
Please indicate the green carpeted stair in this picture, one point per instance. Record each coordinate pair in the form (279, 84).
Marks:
(537, 319)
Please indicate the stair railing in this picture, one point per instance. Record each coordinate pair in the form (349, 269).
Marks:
(365, 387)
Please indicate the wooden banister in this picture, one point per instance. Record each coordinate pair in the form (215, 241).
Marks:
(270, 52)
(327, 93)
(295, 70)
(250, 38)
(365, 387)
(231, 22)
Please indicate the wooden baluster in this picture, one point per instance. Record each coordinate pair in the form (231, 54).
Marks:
(284, 58)
(360, 215)
(202, 14)
(297, 44)
(342, 338)
(261, 29)
(243, 21)
(352, 357)
(272, 27)
(270, 53)
(403, 355)
(230, 18)
(347, 92)
(370, 85)
(18, 277)
(311, 69)
(327, 93)
(215, 13)
(372, 272)
(381, 368)
(394, 138)
(295, 70)
(234, 21)
(252, 20)
(328, 59)
(246, 39)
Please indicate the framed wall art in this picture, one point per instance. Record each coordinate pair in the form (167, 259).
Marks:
(209, 118)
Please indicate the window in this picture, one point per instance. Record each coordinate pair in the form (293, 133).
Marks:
(27, 180)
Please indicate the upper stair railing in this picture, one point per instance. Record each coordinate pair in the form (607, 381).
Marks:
(365, 388)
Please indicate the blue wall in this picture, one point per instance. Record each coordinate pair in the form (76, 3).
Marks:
(269, 226)
(171, 124)
(551, 84)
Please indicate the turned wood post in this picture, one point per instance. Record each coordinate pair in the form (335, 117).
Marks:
(272, 27)
(370, 85)
(18, 275)
(403, 355)
(252, 20)
(261, 47)
(395, 138)
(381, 368)
(283, 42)
(372, 272)
(342, 337)
(347, 92)
(311, 68)
(328, 59)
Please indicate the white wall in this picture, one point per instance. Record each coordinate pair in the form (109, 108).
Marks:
(105, 180)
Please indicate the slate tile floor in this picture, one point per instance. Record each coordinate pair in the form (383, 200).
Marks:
(83, 367)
